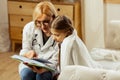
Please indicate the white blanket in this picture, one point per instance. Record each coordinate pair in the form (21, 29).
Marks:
(105, 54)
(109, 59)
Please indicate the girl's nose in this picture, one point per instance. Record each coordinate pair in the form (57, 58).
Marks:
(54, 37)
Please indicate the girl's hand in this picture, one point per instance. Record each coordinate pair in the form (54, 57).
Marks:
(30, 54)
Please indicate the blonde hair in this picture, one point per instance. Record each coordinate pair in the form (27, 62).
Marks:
(44, 7)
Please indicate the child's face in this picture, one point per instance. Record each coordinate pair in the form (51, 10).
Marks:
(58, 35)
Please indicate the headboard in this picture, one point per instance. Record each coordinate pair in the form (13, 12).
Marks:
(112, 31)
(112, 1)
(112, 36)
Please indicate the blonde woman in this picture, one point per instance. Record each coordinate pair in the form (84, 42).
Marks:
(37, 42)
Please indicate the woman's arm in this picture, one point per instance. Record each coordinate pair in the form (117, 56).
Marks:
(27, 38)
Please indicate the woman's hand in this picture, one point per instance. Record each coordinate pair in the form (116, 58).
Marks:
(38, 70)
(35, 69)
(30, 54)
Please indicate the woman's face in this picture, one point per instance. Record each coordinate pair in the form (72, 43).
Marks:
(58, 35)
(43, 22)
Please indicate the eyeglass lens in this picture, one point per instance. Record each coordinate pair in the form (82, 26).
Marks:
(40, 23)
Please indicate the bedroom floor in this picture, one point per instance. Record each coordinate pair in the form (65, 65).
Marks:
(8, 67)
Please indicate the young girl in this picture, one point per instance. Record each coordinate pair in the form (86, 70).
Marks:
(72, 49)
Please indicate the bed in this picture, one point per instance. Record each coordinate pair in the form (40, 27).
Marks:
(109, 56)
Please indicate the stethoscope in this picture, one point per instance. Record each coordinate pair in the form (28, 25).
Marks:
(35, 42)
(38, 46)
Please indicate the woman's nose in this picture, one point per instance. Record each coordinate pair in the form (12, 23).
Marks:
(42, 26)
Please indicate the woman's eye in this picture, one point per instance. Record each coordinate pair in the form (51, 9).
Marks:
(46, 21)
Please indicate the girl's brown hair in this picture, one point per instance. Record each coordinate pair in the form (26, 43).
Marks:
(62, 23)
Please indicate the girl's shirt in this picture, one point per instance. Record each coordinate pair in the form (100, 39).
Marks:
(74, 52)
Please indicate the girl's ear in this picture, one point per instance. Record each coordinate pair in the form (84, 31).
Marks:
(53, 17)
(69, 32)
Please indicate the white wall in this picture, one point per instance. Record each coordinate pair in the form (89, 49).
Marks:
(4, 35)
(93, 23)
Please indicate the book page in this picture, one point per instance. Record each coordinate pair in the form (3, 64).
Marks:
(33, 62)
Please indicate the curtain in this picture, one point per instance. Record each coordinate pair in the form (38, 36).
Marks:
(4, 32)
(93, 23)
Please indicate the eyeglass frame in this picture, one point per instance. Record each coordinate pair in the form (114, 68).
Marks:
(44, 22)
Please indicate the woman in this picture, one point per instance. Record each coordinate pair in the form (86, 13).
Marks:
(37, 42)
(73, 51)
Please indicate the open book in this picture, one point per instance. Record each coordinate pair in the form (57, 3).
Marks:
(42, 63)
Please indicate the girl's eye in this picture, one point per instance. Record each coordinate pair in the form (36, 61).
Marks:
(57, 35)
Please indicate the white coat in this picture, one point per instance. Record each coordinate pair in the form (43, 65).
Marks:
(33, 40)
(74, 52)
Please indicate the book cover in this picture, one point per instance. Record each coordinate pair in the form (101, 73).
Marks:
(42, 63)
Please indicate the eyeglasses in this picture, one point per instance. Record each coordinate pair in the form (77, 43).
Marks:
(40, 23)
